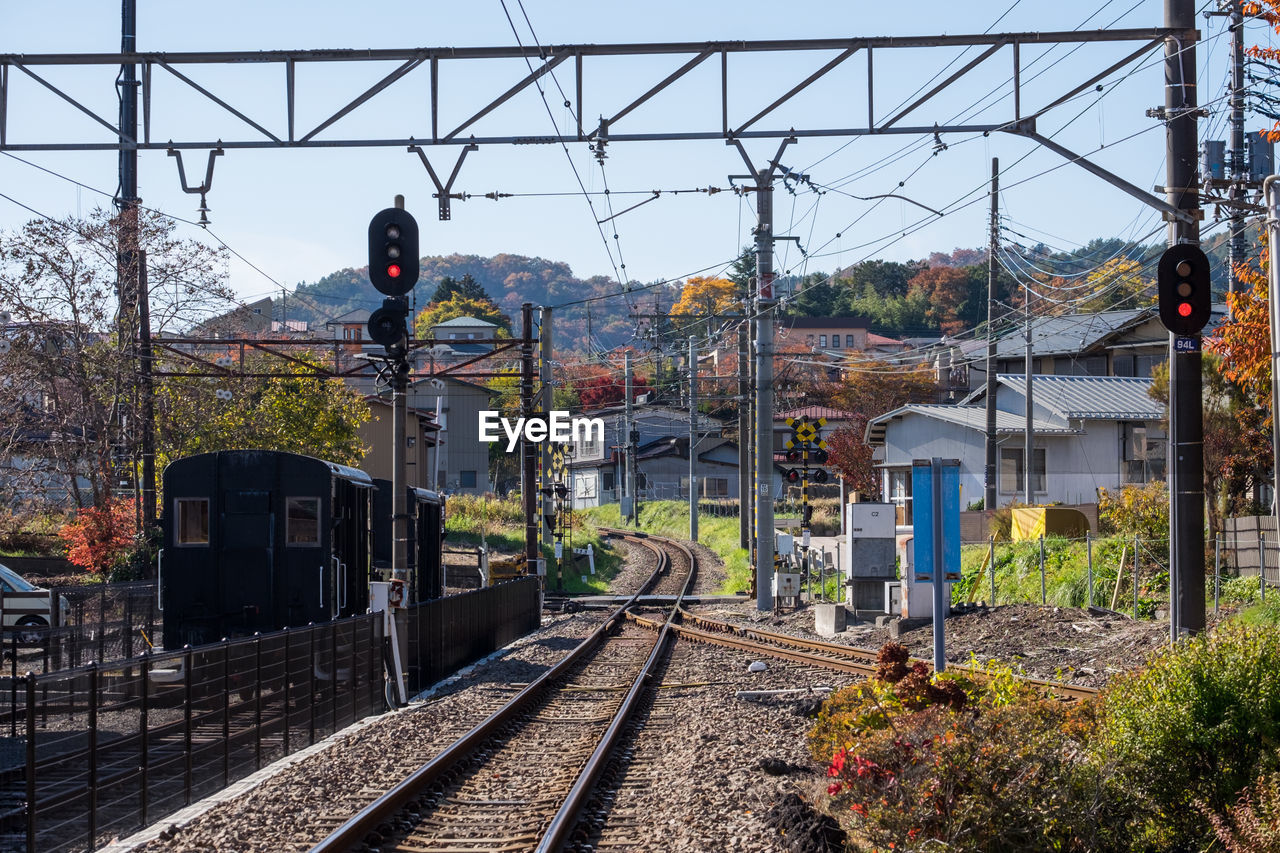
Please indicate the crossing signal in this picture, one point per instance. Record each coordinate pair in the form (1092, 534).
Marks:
(793, 475)
(820, 475)
(820, 456)
(793, 454)
(1182, 281)
(393, 251)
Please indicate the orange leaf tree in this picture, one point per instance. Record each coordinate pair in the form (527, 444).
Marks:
(100, 535)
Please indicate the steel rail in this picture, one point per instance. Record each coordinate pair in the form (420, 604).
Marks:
(355, 830)
(1071, 691)
(566, 818)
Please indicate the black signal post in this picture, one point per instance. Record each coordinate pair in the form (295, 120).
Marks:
(393, 270)
(1182, 281)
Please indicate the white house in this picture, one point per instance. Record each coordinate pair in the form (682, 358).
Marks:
(1091, 432)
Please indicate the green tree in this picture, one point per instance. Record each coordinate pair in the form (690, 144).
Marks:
(465, 286)
(457, 306)
(298, 413)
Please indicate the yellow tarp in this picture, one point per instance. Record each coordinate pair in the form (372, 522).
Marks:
(1034, 522)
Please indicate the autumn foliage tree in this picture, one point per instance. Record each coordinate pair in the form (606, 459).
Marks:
(100, 535)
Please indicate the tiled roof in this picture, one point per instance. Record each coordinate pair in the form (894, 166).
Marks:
(972, 417)
(1095, 397)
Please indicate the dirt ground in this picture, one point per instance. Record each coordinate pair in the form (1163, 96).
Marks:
(1085, 647)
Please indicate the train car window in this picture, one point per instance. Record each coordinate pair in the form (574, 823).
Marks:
(193, 521)
(302, 521)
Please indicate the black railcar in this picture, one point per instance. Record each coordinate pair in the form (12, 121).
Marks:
(425, 577)
(259, 540)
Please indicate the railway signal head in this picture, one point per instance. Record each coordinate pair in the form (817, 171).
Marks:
(792, 475)
(388, 326)
(393, 251)
(820, 456)
(793, 454)
(820, 476)
(1182, 281)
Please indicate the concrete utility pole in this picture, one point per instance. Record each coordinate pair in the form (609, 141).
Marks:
(628, 460)
(693, 439)
(1029, 448)
(545, 403)
(744, 443)
(1237, 246)
(130, 281)
(1186, 457)
(764, 372)
(989, 495)
(528, 450)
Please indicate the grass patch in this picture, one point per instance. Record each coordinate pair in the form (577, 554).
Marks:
(671, 518)
(499, 524)
(1066, 574)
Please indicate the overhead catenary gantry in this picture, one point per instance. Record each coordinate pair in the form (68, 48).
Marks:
(622, 121)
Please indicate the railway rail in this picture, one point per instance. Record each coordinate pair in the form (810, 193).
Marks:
(523, 778)
(519, 779)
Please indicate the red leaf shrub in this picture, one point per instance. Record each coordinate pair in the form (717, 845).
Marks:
(100, 535)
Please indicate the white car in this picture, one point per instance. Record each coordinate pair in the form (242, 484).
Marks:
(26, 606)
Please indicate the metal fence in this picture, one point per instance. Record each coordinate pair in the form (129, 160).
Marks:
(100, 751)
(91, 623)
(448, 633)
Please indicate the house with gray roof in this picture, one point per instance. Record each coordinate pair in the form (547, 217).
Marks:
(1089, 432)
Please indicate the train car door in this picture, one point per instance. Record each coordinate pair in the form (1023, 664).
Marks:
(349, 544)
(248, 561)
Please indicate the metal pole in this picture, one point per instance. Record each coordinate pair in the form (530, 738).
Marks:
(1043, 598)
(1272, 194)
(1186, 459)
(939, 572)
(1088, 549)
(1135, 575)
(989, 495)
(744, 429)
(628, 461)
(528, 451)
(147, 393)
(1217, 569)
(991, 561)
(693, 439)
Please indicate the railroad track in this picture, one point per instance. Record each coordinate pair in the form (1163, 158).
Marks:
(568, 761)
(519, 779)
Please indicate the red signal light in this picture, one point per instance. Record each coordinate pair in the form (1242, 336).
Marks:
(1184, 309)
(393, 270)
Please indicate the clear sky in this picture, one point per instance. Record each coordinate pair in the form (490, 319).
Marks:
(298, 215)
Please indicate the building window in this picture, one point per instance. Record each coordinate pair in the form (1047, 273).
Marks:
(589, 448)
(822, 341)
(302, 521)
(467, 479)
(1012, 481)
(808, 340)
(352, 333)
(848, 342)
(193, 521)
(715, 487)
(900, 494)
(1142, 453)
(606, 481)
